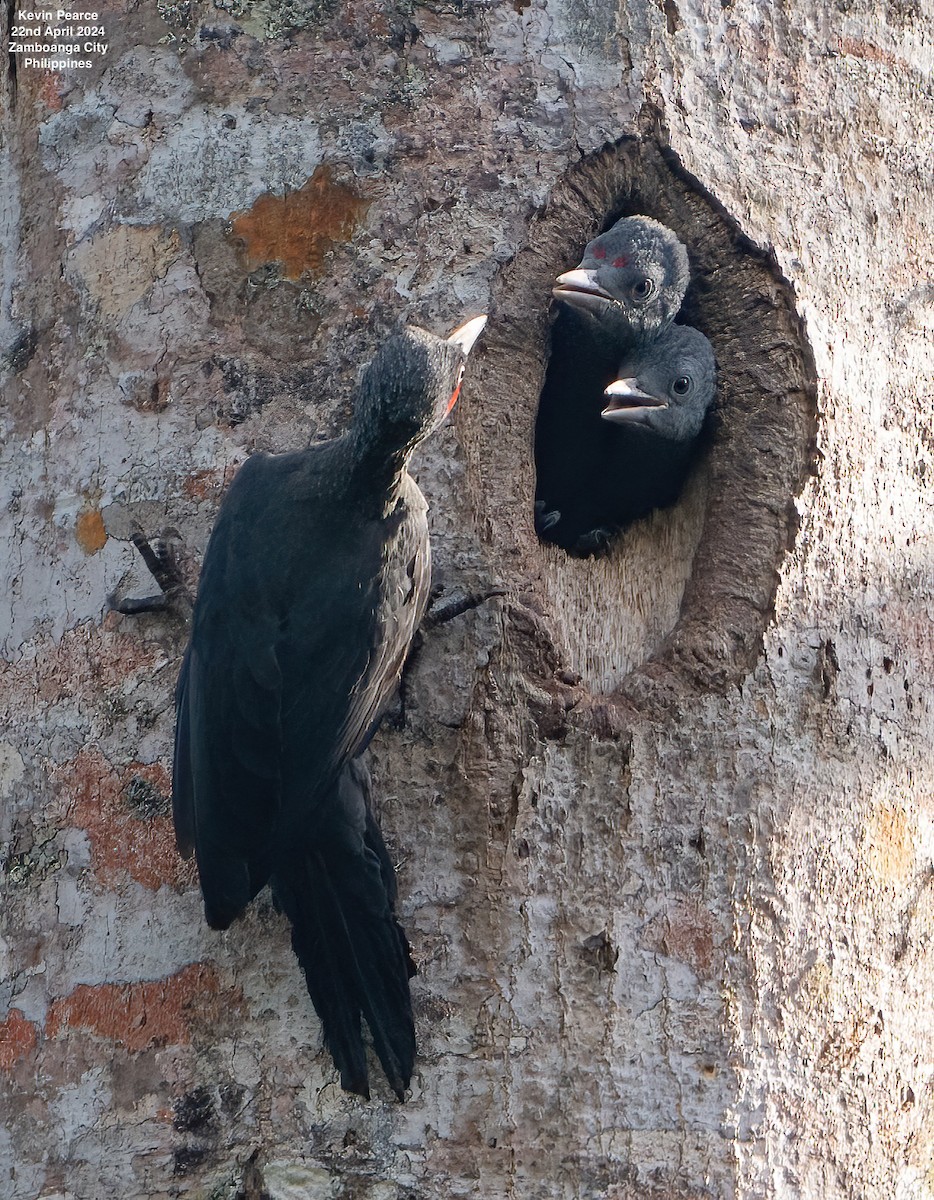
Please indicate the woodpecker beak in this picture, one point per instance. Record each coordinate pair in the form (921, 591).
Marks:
(580, 289)
(628, 402)
(465, 335)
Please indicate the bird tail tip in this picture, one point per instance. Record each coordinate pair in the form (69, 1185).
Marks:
(356, 965)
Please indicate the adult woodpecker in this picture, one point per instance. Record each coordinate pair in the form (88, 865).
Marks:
(625, 292)
(637, 438)
(314, 582)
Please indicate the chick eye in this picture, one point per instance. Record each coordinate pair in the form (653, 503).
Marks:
(642, 290)
(682, 385)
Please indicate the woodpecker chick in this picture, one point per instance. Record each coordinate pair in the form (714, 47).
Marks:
(630, 282)
(628, 450)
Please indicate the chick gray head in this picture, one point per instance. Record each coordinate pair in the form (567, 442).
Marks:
(631, 279)
(665, 387)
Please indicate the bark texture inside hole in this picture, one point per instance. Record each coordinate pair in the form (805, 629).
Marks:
(684, 598)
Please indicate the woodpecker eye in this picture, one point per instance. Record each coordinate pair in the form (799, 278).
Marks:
(457, 387)
(642, 290)
(682, 385)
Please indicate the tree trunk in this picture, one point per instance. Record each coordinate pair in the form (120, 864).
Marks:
(663, 822)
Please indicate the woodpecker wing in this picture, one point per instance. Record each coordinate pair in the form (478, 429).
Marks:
(273, 697)
(405, 587)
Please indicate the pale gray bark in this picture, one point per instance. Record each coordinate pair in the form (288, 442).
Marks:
(664, 823)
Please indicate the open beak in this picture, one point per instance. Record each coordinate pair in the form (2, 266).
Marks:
(580, 289)
(628, 402)
(465, 335)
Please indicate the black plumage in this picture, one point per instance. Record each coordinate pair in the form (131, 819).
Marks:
(625, 292)
(314, 582)
(626, 450)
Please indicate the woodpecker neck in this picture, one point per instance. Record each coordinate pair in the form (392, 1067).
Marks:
(377, 461)
(399, 402)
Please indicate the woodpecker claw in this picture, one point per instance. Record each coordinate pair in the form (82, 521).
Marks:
(595, 543)
(445, 608)
(132, 607)
(159, 557)
(545, 519)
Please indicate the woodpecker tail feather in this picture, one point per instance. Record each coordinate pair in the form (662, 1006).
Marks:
(354, 954)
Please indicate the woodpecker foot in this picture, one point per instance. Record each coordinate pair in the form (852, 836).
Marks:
(595, 543)
(442, 609)
(545, 518)
(446, 608)
(159, 557)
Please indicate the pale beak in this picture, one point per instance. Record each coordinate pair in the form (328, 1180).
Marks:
(580, 289)
(465, 335)
(628, 402)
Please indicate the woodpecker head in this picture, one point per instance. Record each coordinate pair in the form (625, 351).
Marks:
(413, 383)
(666, 387)
(631, 279)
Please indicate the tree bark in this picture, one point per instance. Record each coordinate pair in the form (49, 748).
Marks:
(663, 822)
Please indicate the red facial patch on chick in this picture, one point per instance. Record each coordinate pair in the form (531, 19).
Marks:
(599, 252)
(622, 261)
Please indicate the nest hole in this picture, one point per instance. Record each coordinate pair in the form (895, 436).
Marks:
(685, 596)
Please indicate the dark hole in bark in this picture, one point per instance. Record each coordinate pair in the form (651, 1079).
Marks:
(683, 602)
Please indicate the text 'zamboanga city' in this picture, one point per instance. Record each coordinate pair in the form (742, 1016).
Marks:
(57, 39)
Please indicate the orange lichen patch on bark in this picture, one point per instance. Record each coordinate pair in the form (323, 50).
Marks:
(17, 1039)
(90, 533)
(88, 662)
(889, 846)
(124, 841)
(859, 48)
(202, 484)
(139, 1015)
(49, 89)
(687, 931)
(298, 229)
